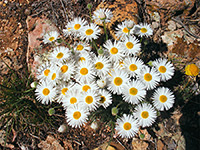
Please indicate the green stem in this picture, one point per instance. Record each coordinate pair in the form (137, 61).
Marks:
(104, 26)
(91, 15)
(70, 48)
(93, 42)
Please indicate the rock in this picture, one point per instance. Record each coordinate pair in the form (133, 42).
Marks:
(50, 144)
(168, 9)
(110, 146)
(122, 10)
(138, 144)
(160, 145)
(170, 38)
(172, 25)
(146, 134)
(37, 27)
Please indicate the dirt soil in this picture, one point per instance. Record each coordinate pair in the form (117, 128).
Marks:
(177, 129)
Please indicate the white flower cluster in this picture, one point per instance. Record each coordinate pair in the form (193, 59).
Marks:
(82, 81)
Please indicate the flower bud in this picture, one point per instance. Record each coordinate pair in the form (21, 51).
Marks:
(62, 128)
(33, 85)
(130, 24)
(101, 83)
(89, 6)
(94, 125)
(102, 16)
(100, 51)
(51, 111)
(114, 111)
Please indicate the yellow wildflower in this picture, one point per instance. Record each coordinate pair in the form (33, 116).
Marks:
(191, 70)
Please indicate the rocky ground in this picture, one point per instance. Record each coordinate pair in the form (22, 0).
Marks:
(176, 26)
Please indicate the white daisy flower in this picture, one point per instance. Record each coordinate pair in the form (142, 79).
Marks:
(133, 65)
(163, 98)
(72, 97)
(122, 31)
(143, 29)
(45, 92)
(131, 45)
(66, 69)
(102, 82)
(102, 15)
(118, 80)
(77, 26)
(165, 68)
(85, 86)
(82, 56)
(68, 29)
(43, 71)
(129, 24)
(50, 37)
(90, 100)
(105, 98)
(85, 71)
(102, 65)
(61, 92)
(62, 88)
(115, 50)
(59, 54)
(150, 77)
(54, 74)
(82, 46)
(89, 32)
(145, 114)
(76, 116)
(127, 126)
(134, 92)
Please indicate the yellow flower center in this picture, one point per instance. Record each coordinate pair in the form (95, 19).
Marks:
(51, 39)
(53, 76)
(103, 99)
(46, 91)
(132, 67)
(125, 30)
(84, 71)
(89, 32)
(121, 63)
(163, 98)
(148, 77)
(127, 126)
(60, 55)
(129, 45)
(64, 68)
(162, 69)
(86, 88)
(143, 30)
(82, 59)
(114, 50)
(89, 99)
(99, 65)
(64, 90)
(79, 47)
(77, 26)
(191, 70)
(73, 100)
(76, 115)
(46, 72)
(118, 81)
(145, 114)
(133, 91)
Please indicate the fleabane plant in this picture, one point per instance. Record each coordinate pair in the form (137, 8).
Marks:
(87, 76)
